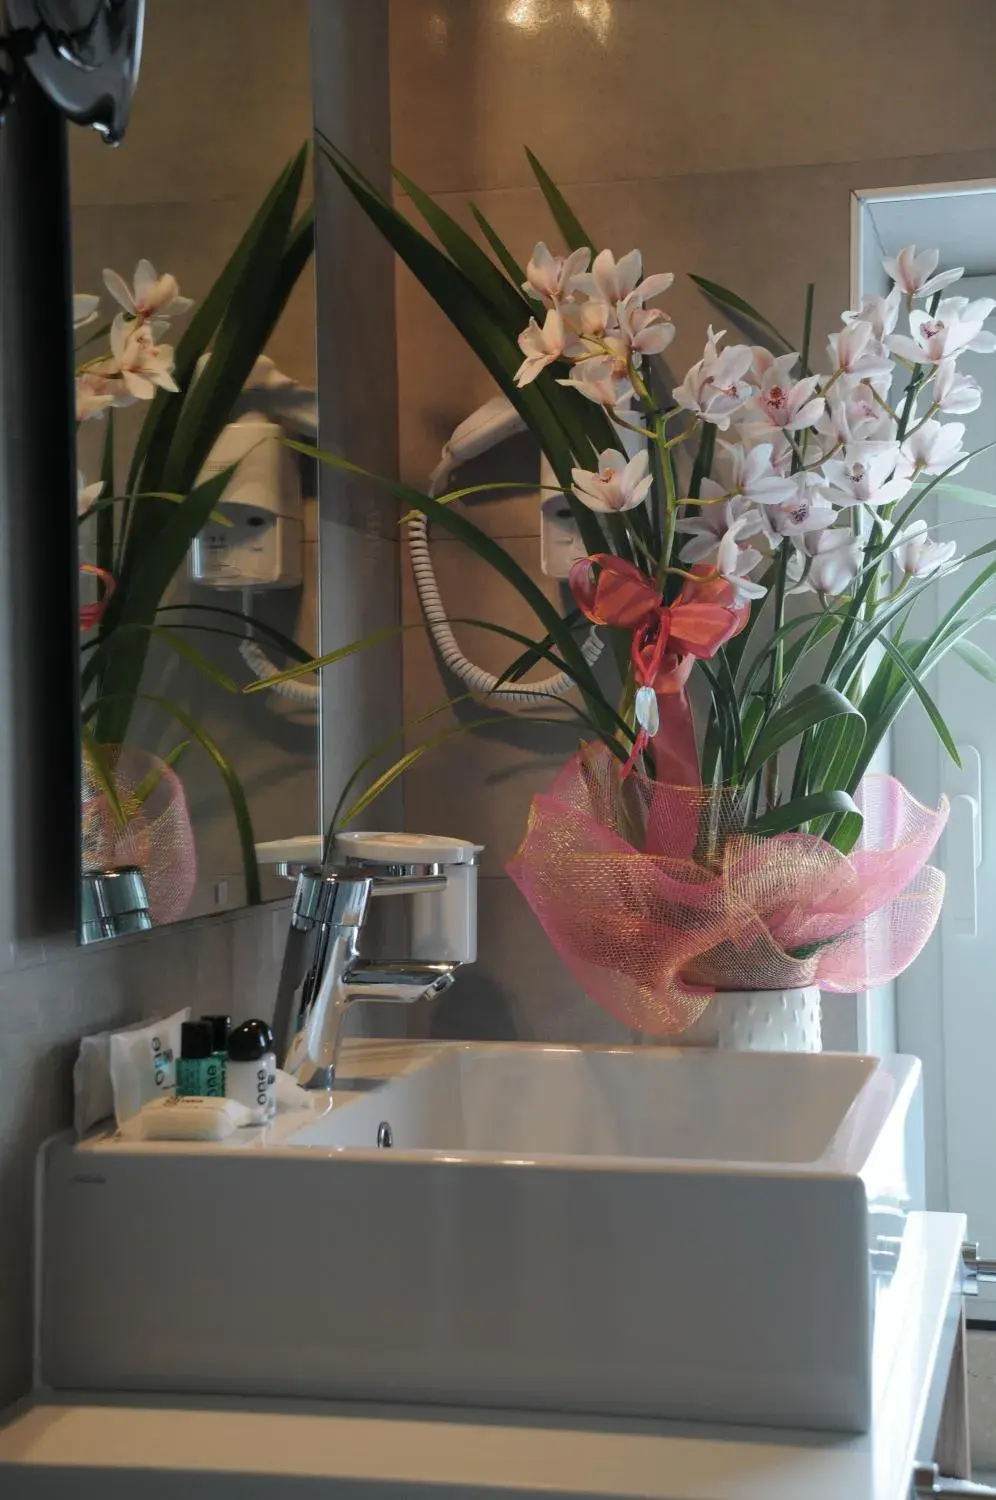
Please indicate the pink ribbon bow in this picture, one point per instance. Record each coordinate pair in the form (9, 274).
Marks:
(666, 640)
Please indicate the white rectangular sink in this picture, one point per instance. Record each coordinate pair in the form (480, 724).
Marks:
(701, 1235)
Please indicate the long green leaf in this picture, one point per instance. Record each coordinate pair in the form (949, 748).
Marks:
(233, 786)
(802, 810)
(565, 218)
(103, 774)
(170, 638)
(515, 272)
(479, 270)
(404, 763)
(728, 299)
(811, 706)
(980, 661)
(160, 424)
(933, 712)
(284, 643)
(152, 778)
(105, 518)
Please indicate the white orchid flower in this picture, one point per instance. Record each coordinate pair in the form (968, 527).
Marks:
(613, 280)
(543, 346)
(933, 447)
(953, 328)
(790, 405)
(853, 415)
(866, 474)
(591, 319)
(619, 484)
(734, 562)
(86, 494)
(715, 388)
(806, 511)
(917, 555)
(856, 351)
(827, 562)
(550, 278)
(953, 393)
(642, 330)
(748, 473)
(151, 296)
(707, 527)
(881, 313)
(84, 309)
(600, 380)
(143, 364)
(99, 389)
(914, 274)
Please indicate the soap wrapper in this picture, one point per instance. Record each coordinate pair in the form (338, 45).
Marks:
(186, 1117)
(143, 1063)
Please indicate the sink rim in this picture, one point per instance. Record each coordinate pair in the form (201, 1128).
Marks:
(844, 1156)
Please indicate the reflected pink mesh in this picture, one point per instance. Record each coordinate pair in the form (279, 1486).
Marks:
(156, 836)
(654, 897)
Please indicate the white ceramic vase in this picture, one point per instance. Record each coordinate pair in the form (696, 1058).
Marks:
(759, 1021)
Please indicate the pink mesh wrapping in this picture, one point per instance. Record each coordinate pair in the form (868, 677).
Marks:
(654, 898)
(156, 834)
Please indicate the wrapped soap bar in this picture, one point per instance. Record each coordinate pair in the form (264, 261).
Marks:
(186, 1117)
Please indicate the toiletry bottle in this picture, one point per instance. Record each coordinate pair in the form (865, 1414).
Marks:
(252, 1069)
(220, 1027)
(198, 1071)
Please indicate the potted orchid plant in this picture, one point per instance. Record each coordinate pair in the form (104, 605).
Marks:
(136, 529)
(753, 554)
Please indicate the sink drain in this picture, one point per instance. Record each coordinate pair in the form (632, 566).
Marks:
(385, 1135)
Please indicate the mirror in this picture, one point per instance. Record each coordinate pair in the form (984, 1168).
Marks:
(198, 552)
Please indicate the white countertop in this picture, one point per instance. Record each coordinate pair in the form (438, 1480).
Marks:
(136, 1449)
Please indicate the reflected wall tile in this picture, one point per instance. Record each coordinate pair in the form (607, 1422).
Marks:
(518, 990)
(223, 101)
(711, 89)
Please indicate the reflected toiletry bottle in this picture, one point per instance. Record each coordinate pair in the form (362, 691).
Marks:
(252, 1069)
(220, 1027)
(198, 1070)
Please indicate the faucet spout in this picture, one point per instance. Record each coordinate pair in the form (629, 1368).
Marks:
(338, 977)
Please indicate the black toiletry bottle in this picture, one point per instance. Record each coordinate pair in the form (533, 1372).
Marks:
(220, 1027)
(252, 1069)
(198, 1070)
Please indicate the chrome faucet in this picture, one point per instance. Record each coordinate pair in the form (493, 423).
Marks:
(323, 973)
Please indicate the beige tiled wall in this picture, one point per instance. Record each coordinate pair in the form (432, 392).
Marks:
(723, 139)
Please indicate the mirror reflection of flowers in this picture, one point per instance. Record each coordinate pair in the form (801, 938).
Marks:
(138, 363)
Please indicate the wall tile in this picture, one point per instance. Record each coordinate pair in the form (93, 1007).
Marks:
(219, 108)
(625, 90)
(518, 990)
(478, 785)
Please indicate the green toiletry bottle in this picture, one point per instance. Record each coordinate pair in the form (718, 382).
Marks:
(220, 1028)
(198, 1070)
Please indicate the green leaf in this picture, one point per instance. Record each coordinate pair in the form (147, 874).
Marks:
(284, 643)
(933, 712)
(811, 706)
(515, 272)
(980, 661)
(170, 638)
(105, 522)
(152, 778)
(103, 774)
(404, 763)
(564, 216)
(961, 492)
(465, 253)
(106, 502)
(801, 810)
(155, 439)
(233, 786)
(728, 299)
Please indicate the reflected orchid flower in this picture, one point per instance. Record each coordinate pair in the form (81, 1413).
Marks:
(150, 296)
(143, 364)
(550, 278)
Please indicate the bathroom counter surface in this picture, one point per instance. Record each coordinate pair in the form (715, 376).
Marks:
(145, 1448)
